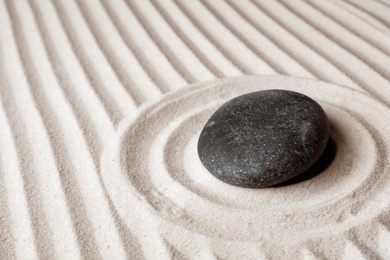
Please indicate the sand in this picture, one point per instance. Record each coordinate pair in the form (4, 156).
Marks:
(102, 103)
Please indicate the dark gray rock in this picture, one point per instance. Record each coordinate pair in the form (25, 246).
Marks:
(263, 138)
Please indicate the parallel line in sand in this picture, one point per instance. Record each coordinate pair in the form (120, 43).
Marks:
(161, 27)
(212, 38)
(76, 207)
(103, 230)
(173, 42)
(87, 65)
(370, 12)
(67, 66)
(138, 40)
(339, 18)
(195, 49)
(114, 63)
(356, 78)
(51, 51)
(303, 40)
(42, 235)
(88, 128)
(317, 72)
(169, 54)
(131, 72)
(345, 46)
(387, 4)
(56, 63)
(197, 38)
(364, 11)
(304, 43)
(261, 55)
(20, 232)
(360, 14)
(29, 170)
(147, 65)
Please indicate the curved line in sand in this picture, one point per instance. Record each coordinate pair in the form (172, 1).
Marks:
(157, 156)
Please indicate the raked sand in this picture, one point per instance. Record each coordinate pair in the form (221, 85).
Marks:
(102, 103)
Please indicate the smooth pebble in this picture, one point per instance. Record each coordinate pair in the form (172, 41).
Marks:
(263, 138)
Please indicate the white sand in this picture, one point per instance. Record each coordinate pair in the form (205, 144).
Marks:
(102, 103)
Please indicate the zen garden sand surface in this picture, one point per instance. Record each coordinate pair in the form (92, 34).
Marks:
(103, 102)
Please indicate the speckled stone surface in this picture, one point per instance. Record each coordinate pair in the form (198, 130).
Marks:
(263, 138)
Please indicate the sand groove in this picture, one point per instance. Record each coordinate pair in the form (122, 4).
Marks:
(363, 15)
(23, 150)
(373, 8)
(112, 57)
(288, 67)
(354, 25)
(236, 59)
(319, 65)
(87, 170)
(265, 29)
(146, 64)
(94, 73)
(84, 118)
(205, 61)
(349, 63)
(162, 45)
(65, 159)
(309, 43)
(345, 39)
(34, 84)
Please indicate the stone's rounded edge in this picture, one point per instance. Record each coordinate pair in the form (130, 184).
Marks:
(220, 145)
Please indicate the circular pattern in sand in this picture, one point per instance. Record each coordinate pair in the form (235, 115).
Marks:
(154, 164)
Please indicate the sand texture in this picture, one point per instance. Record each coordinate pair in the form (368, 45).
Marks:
(102, 103)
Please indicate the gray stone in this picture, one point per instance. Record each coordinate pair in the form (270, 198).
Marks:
(263, 138)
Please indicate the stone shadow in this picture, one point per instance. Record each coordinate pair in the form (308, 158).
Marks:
(321, 165)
